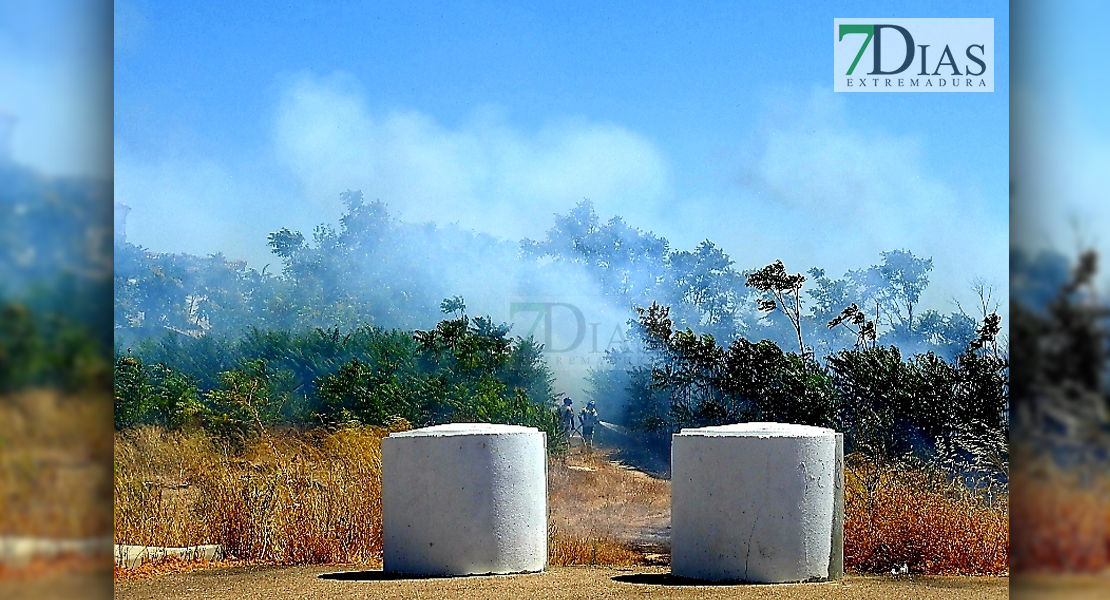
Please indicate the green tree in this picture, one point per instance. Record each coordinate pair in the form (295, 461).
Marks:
(628, 263)
(691, 381)
(877, 390)
(132, 392)
(373, 394)
(781, 291)
(705, 288)
(22, 349)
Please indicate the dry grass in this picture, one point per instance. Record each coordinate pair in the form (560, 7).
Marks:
(315, 497)
(602, 513)
(54, 479)
(896, 516)
(287, 499)
(1064, 517)
(577, 549)
(172, 564)
(39, 569)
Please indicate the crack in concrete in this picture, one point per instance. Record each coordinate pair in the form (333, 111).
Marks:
(758, 512)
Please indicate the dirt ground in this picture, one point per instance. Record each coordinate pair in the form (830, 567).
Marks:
(267, 583)
(1060, 587)
(65, 584)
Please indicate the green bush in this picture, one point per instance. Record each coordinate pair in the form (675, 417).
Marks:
(466, 369)
(43, 347)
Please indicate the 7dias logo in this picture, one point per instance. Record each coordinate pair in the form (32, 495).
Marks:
(913, 55)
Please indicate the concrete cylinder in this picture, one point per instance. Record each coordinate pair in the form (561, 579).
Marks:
(465, 499)
(753, 502)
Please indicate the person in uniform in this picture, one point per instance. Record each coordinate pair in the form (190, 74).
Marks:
(566, 416)
(588, 420)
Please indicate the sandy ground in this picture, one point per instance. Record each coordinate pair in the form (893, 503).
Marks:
(1060, 588)
(268, 583)
(65, 585)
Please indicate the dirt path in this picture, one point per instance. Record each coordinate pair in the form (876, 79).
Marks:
(269, 583)
(593, 496)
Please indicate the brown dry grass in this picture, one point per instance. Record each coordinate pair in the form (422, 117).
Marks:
(37, 569)
(1064, 517)
(567, 550)
(54, 478)
(288, 498)
(172, 564)
(897, 516)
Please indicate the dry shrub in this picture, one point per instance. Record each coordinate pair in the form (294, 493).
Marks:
(157, 474)
(572, 549)
(896, 515)
(1064, 517)
(288, 498)
(171, 565)
(54, 450)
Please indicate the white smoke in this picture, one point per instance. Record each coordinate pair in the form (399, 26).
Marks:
(483, 174)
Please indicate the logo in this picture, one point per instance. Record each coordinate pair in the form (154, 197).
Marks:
(562, 327)
(913, 55)
(579, 333)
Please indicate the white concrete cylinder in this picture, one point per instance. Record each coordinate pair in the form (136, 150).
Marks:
(753, 502)
(465, 499)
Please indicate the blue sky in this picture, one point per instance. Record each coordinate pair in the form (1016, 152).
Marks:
(1062, 155)
(55, 69)
(716, 121)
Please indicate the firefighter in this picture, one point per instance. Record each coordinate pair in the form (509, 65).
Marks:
(588, 420)
(566, 416)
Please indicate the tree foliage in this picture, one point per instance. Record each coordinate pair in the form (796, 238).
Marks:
(886, 404)
(55, 265)
(465, 369)
(354, 327)
(1060, 336)
(373, 269)
(782, 291)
